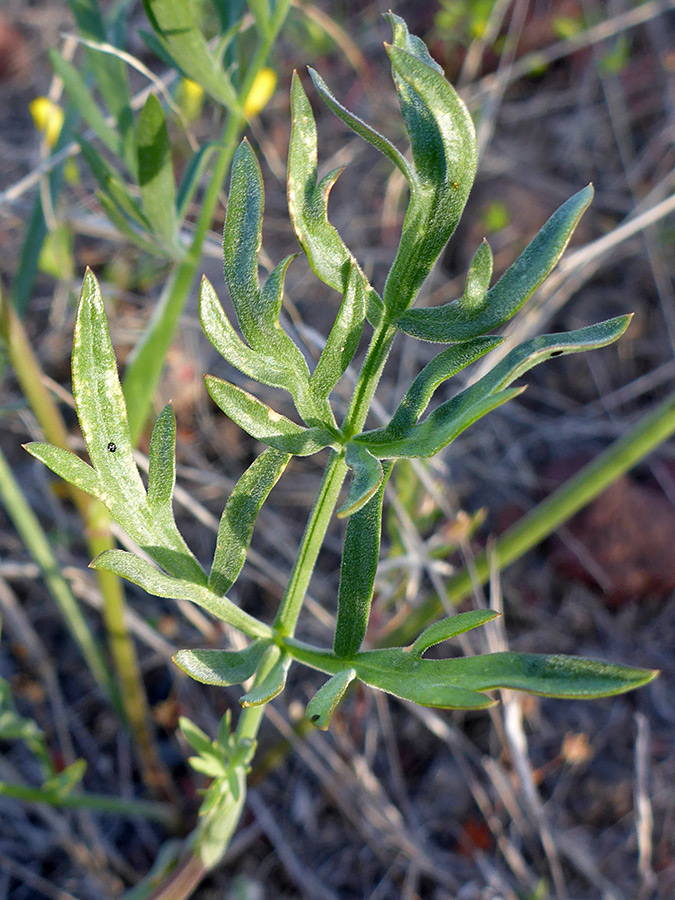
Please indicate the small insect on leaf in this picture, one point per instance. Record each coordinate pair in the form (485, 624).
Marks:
(112, 446)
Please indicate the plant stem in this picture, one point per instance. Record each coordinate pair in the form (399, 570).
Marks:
(145, 368)
(116, 806)
(550, 514)
(129, 695)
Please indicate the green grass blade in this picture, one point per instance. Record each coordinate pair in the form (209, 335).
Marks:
(155, 172)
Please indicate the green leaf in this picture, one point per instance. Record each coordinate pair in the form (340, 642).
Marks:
(260, 10)
(273, 683)
(155, 582)
(366, 479)
(450, 627)
(221, 667)
(257, 311)
(162, 461)
(122, 225)
(67, 466)
(109, 71)
(113, 185)
(195, 737)
(155, 171)
(239, 516)
(455, 415)
(328, 256)
(360, 557)
(462, 320)
(367, 132)
(443, 144)
(226, 341)
(323, 704)
(442, 367)
(83, 101)
(440, 427)
(478, 277)
(342, 340)
(264, 424)
(176, 29)
(193, 174)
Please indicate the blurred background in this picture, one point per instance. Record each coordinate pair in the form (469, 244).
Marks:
(536, 799)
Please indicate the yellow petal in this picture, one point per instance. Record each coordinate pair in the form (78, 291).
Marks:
(261, 92)
(190, 96)
(48, 118)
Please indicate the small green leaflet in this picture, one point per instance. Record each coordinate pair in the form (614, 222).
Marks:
(323, 704)
(221, 667)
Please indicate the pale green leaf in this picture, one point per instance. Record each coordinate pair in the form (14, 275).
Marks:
(478, 277)
(322, 705)
(239, 516)
(221, 667)
(67, 466)
(264, 424)
(162, 460)
(195, 737)
(157, 583)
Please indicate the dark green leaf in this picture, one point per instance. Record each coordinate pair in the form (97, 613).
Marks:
(328, 256)
(192, 177)
(155, 171)
(360, 557)
(239, 515)
(274, 681)
(322, 705)
(264, 424)
(113, 185)
(342, 340)
(221, 667)
(460, 320)
(450, 627)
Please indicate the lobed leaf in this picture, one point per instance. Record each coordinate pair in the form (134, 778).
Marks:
(328, 256)
(239, 516)
(266, 425)
(461, 319)
(155, 582)
(358, 567)
(443, 143)
(323, 704)
(221, 667)
(155, 171)
(450, 627)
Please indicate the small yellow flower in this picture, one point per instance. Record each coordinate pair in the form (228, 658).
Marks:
(261, 92)
(190, 97)
(48, 118)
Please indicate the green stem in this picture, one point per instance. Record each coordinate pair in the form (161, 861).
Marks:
(550, 514)
(145, 368)
(116, 806)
